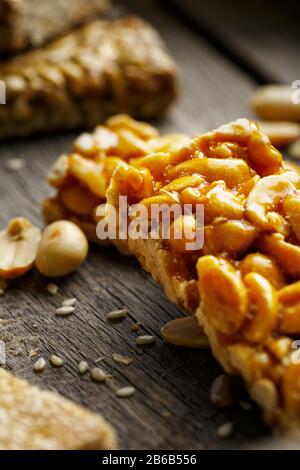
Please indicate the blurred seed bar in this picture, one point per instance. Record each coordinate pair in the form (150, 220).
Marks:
(32, 419)
(102, 68)
(31, 23)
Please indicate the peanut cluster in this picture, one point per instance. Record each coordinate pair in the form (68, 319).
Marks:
(247, 273)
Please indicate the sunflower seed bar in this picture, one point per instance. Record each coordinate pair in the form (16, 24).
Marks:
(102, 68)
(31, 23)
(32, 419)
(243, 283)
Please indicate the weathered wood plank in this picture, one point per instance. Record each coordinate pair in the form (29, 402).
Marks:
(261, 36)
(171, 408)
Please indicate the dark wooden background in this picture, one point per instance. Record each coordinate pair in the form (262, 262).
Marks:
(222, 56)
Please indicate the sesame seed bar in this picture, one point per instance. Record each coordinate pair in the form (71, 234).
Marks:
(243, 285)
(98, 70)
(31, 23)
(81, 178)
(32, 419)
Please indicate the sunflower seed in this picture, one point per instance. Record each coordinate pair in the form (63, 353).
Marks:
(65, 310)
(15, 164)
(144, 340)
(83, 367)
(117, 314)
(40, 365)
(125, 392)
(225, 430)
(56, 361)
(33, 353)
(52, 289)
(124, 360)
(69, 302)
(99, 375)
(221, 393)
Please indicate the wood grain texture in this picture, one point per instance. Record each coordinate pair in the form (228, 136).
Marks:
(171, 408)
(261, 36)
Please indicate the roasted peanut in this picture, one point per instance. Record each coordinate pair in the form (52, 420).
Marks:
(274, 102)
(90, 173)
(224, 299)
(280, 133)
(264, 392)
(263, 301)
(232, 171)
(155, 162)
(289, 299)
(130, 145)
(264, 198)
(286, 254)
(182, 183)
(182, 233)
(167, 143)
(123, 121)
(233, 237)
(252, 365)
(79, 200)
(263, 157)
(185, 332)
(18, 248)
(262, 264)
(59, 171)
(62, 249)
(102, 140)
(219, 201)
(291, 209)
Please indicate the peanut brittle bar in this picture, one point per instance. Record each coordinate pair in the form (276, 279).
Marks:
(32, 419)
(243, 285)
(101, 69)
(31, 23)
(81, 178)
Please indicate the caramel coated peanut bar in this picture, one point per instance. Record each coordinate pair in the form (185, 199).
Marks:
(100, 69)
(31, 23)
(32, 419)
(243, 284)
(81, 178)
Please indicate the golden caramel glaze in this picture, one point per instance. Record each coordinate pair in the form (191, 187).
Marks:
(247, 274)
(81, 178)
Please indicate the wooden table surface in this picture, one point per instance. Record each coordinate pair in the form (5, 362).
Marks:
(171, 408)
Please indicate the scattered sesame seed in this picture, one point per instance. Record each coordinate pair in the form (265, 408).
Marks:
(245, 405)
(124, 360)
(33, 353)
(15, 164)
(225, 430)
(56, 361)
(99, 375)
(69, 302)
(99, 359)
(34, 325)
(144, 340)
(52, 289)
(83, 367)
(117, 314)
(40, 365)
(125, 392)
(65, 310)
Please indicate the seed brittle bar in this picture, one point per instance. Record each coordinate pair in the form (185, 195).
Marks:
(32, 419)
(243, 284)
(31, 23)
(81, 178)
(96, 71)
